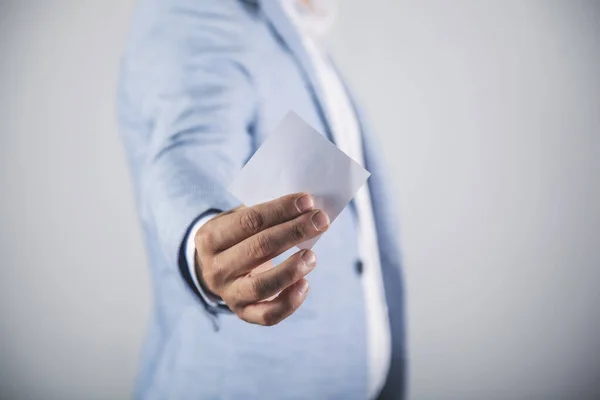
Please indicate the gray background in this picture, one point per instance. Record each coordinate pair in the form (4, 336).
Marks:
(490, 117)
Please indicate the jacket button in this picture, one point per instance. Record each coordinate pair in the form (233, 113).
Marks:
(358, 266)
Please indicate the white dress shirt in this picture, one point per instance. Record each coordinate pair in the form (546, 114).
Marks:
(313, 20)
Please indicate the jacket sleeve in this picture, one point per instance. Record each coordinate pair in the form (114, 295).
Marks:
(186, 109)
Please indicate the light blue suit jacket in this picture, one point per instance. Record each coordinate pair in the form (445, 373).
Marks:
(202, 83)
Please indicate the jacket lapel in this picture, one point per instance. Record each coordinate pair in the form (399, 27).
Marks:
(280, 23)
(389, 254)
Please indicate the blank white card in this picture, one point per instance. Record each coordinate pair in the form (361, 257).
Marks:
(297, 158)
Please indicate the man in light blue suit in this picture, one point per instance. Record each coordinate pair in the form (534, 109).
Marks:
(202, 83)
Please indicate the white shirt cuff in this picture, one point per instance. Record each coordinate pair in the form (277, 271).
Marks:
(190, 258)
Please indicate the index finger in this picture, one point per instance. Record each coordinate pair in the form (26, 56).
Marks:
(238, 226)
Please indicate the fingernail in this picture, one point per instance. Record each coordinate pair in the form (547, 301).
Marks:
(303, 287)
(320, 220)
(304, 203)
(309, 259)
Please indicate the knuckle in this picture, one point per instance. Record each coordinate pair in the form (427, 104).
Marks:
(242, 314)
(203, 238)
(268, 318)
(297, 231)
(251, 221)
(291, 273)
(260, 247)
(279, 209)
(257, 288)
(263, 288)
(233, 299)
(213, 275)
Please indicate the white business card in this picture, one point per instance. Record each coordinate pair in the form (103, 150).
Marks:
(297, 158)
